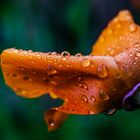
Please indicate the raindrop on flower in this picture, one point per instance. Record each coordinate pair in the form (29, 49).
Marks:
(65, 53)
(103, 95)
(86, 62)
(51, 70)
(92, 98)
(132, 28)
(110, 111)
(84, 98)
(102, 71)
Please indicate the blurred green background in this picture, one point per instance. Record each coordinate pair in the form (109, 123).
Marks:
(58, 25)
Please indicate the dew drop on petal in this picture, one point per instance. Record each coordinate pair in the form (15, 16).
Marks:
(84, 98)
(51, 123)
(92, 98)
(51, 70)
(138, 54)
(65, 53)
(102, 71)
(54, 53)
(86, 62)
(132, 28)
(103, 95)
(110, 111)
(91, 112)
(30, 51)
(78, 55)
(83, 85)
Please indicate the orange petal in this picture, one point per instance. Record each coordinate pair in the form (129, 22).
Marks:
(121, 34)
(54, 119)
(76, 80)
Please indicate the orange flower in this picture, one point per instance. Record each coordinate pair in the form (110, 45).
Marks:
(87, 84)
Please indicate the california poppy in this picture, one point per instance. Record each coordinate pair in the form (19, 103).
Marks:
(88, 84)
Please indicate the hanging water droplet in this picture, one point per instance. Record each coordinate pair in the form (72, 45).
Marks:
(86, 62)
(92, 98)
(51, 70)
(91, 112)
(103, 95)
(65, 53)
(51, 123)
(20, 91)
(110, 111)
(84, 98)
(132, 28)
(78, 55)
(102, 71)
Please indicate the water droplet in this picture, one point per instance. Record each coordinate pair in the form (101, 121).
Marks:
(65, 53)
(20, 91)
(83, 85)
(92, 98)
(51, 70)
(112, 52)
(137, 45)
(15, 51)
(84, 98)
(103, 95)
(138, 54)
(53, 82)
(21, 68)
(85, 62)
(102, 71)
(78, 55)
(54, 53)
(64, 59)
(132, 28)
(110, 111)
(30, 51)
(51, 123)
(25, 78)
(45, 79)
(34, 72)
(79, 78)
(91, 112)
(14, 75)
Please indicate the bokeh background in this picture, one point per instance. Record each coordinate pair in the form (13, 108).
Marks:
(58, 25)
